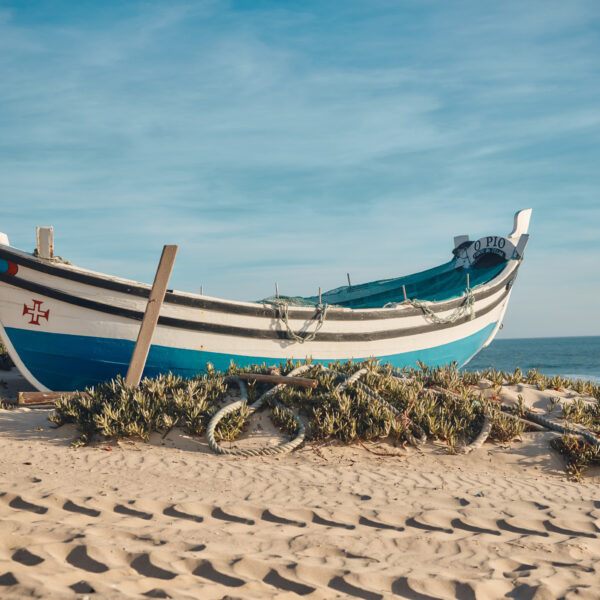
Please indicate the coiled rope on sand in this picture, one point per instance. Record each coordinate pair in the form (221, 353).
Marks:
(588, 436)
(301, 432)
(538, 421)
(235, 406)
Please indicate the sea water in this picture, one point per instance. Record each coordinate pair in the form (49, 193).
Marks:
(573, 357)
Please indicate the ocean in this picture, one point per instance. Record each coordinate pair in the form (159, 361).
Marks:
(574, 357)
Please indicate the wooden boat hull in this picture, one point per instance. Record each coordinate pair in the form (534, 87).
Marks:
(74, 362)
(68, 328)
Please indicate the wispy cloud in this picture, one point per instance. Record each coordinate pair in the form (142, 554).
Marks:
(296, 142)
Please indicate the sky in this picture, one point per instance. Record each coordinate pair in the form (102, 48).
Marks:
(298, 141)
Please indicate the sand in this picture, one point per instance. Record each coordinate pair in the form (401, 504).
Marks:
(168, 519)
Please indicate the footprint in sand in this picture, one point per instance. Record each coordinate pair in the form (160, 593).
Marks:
(206, 570)
(327, 523)
(76, 508)
(506, 526)
(144, 566)
(267, 515)
(130, 512)
(78, 557)
(570, 532)
(287, 585)
(378, 525)
(412, 522)
(21, 504)
(8, 579)
(401, 587)
(341, 585)
(156, 593)
(461, 524)
(219, 513)
(171, 511)
(82, 587)
(23, 556)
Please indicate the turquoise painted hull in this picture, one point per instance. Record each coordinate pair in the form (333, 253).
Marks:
(68, 362)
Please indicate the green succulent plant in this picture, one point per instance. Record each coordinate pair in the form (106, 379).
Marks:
(578, 455)
(515, 377)
(437, 402)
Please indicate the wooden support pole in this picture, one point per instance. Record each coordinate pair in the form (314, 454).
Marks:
(45, 242)
(348, 276)
(157, 296)
(404, 292)
(301, 381)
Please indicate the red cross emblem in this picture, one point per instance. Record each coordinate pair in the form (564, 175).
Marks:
(36, 312)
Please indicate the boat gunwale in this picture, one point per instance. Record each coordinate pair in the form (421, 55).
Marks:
(255, 309)
(237, 331)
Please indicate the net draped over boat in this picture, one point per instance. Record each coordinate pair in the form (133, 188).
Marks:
(433, 285)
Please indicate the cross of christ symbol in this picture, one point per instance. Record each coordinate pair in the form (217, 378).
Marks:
(36, 312)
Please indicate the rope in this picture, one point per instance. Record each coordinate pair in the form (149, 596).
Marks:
(481, 439)
(486, 428)
(588, 436)
(56, 258)
(354, 380)
(467, 307)
(301, 434)
(235, 406)
(281, 312)
(350, 379)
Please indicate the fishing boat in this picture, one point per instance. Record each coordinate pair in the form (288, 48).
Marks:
(68, 328)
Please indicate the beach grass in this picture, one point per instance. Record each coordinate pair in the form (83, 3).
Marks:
(442, 404)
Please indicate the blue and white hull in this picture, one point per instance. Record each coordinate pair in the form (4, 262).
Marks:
(67, 328)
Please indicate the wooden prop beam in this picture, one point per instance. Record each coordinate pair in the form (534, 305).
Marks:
(155, 301)
(48, 398)
(300, 381)
(40, 398)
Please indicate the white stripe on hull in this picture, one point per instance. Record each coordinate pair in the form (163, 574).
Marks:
(138, 304)
(69, 319)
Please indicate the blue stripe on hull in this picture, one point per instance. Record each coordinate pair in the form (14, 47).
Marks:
(68, 362)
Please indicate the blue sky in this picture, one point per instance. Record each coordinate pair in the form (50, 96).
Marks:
(298, 141)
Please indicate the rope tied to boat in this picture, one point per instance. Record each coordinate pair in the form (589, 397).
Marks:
(465, 308)
(54, 259)
(282, 313)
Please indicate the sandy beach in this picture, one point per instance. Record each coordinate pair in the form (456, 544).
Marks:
(169, 519)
